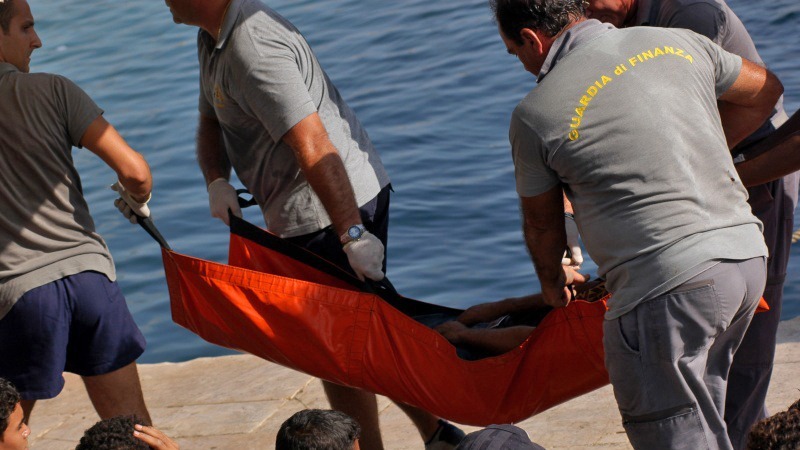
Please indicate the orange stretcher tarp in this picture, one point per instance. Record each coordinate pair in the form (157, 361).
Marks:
(285, 305)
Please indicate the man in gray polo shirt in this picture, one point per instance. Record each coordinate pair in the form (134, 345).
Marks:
(772, 202)
(60, 307)
(269, 110)
(616, 122)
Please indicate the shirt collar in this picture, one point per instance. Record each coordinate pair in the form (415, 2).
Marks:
(644, 12)
(7, 68)
(231, 14)
(574, 37)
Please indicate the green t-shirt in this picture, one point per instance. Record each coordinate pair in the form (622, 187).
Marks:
(627, 120)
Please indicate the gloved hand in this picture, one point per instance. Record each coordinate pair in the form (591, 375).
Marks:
(366, 256)
(221, 197)
(127, 205)
(576, 258)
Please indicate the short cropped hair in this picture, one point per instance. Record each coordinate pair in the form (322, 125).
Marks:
(9, 397)
(115, 433)
(6, 14)
(778, 432)
(318, 429)
(547, 16)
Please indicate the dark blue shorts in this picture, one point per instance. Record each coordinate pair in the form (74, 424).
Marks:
(79, 324)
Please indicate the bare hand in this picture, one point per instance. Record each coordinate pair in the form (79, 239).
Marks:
(560, 295)
(451, 331)
(154, 438)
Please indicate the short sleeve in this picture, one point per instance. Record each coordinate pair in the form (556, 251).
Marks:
(727, 66)
(79, 109)
(275, 89)
(528, 152)
(702, 18)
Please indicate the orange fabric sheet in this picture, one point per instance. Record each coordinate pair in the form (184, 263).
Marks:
(275, 307)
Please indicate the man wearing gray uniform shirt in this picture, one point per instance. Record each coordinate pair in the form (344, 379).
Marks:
(615, 123)
(772, 202)
(269, 110)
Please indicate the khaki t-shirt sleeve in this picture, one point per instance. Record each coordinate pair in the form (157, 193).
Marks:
(78, 108)
(532, 173)
(274, 88)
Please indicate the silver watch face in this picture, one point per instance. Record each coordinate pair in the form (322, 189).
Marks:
(354, 232)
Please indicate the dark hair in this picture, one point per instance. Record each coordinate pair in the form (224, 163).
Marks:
(318, 429)
(9, 397)
(548, 16)
(6, 14)
(778, 432)
(115, 433)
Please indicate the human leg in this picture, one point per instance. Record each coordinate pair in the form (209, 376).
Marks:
(361, 406)
(118, 393)
(666, 359)
(103, 346)
(774, 204)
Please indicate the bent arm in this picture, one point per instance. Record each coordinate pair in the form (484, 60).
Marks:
(211, 156)
(779, 161)
(545, 237)
(323, 167)
(102, 139)
(745, 106)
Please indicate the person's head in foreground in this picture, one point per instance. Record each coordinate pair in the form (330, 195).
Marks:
(318, 429)
(14, 430)
(498, 437)
(778, 432)
(124, 433)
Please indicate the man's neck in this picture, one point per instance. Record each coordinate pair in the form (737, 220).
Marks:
(214, 17)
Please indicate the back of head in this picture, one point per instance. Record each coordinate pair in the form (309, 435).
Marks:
(778, 432)
(115, 433)
(9, 397)
(498, 437)
(547, 16)
(6, 14)
(317, 429)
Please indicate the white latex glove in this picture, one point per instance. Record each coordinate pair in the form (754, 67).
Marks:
(366, 256)
(127, 205)
(221, 197)
(572, 243)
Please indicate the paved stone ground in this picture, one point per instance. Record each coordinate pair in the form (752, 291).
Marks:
(238, 402)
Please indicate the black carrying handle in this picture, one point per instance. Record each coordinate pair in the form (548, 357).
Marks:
(150, 228)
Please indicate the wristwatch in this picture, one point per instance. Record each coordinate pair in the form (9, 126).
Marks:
(353, 233)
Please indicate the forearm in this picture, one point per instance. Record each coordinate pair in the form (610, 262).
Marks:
(546, 246)
(102, 139)
(738, 121)
(211, 155)
(776, 163)
(495, 340)
(324, 169)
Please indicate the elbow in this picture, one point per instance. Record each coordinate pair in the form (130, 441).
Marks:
(136, 177)
(774, 87)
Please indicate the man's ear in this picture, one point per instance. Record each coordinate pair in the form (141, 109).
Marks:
(532, 38)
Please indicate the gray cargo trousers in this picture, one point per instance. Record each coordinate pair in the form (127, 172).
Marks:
(773, 203)
(668, 359)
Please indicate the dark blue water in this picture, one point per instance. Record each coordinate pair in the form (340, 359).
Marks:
(433, 85)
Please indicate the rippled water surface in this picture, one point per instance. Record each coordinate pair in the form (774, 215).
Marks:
(430, 80)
